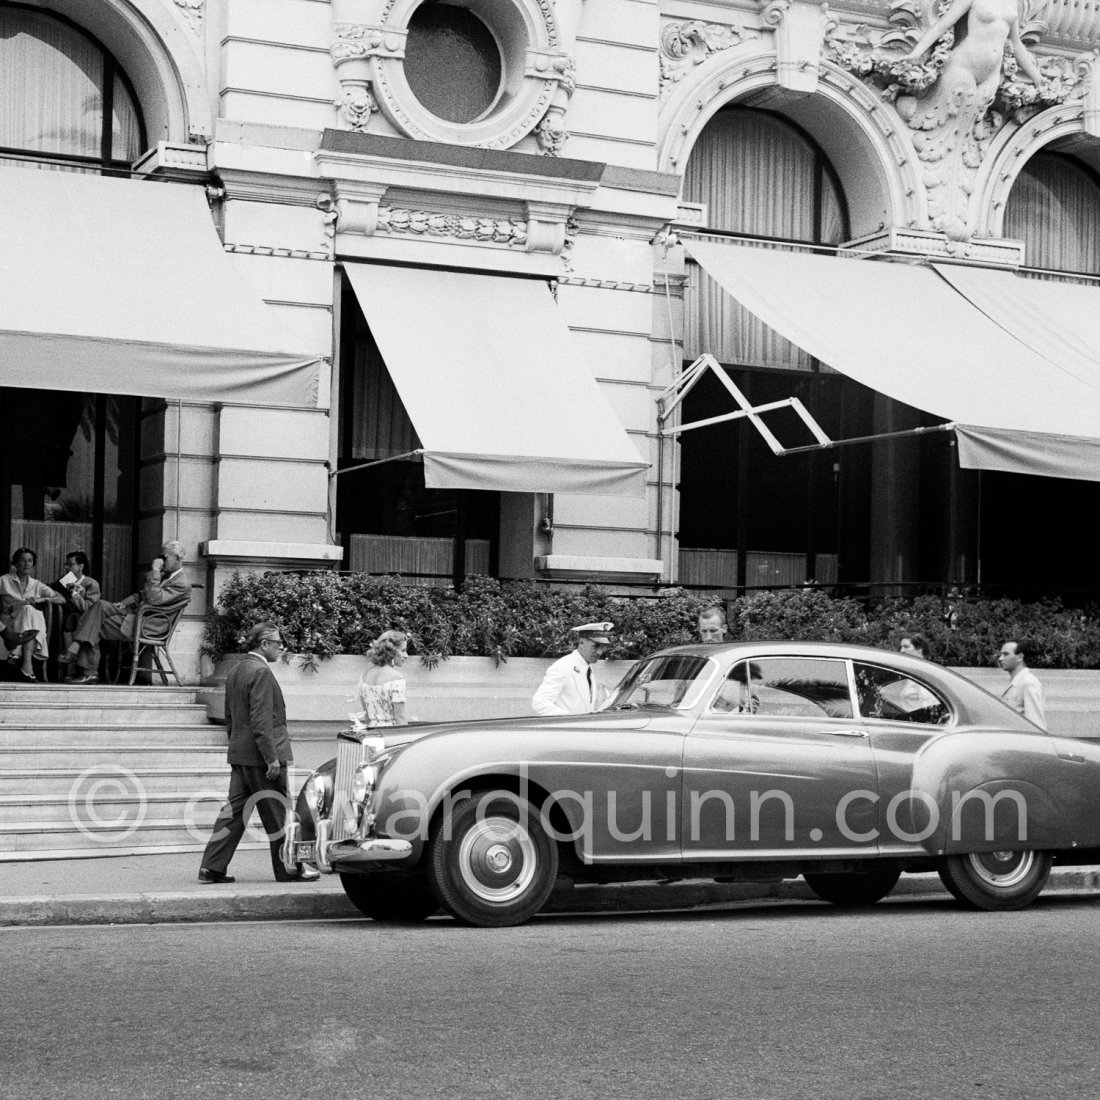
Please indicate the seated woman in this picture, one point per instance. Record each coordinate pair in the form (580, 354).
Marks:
(381, 688)
(22, 598)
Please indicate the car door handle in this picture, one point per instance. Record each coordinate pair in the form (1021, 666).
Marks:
(849, 733)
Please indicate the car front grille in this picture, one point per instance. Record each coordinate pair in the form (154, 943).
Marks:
(349, 755)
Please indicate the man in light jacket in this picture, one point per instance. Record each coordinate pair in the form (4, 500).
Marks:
(570, 685)
(1024, 693)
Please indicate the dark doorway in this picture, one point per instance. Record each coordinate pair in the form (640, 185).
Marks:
(68, 481)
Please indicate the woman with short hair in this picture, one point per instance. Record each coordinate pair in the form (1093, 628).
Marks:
(22, 598)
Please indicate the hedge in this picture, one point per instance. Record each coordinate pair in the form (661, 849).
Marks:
(323, 614)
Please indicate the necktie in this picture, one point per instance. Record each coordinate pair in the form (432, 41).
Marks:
(589, 671)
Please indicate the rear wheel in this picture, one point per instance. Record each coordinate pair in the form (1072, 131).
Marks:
(491, 863)
(854, 889)
(390, 898)
(996, 880)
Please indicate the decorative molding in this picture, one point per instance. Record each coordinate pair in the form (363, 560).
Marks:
(192, 12)
(327, 205)
(172, 156)
(509, 231)
(355, 105)
(608, 284)
(545, 227)
(687, 44)
(282, 253)
(933, 245)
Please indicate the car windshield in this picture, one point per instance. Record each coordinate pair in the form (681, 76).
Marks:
(663, 681)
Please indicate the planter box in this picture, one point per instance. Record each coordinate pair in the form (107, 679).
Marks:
(458, 688)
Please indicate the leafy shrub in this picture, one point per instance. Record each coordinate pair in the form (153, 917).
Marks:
(323, 614)
(804, 613)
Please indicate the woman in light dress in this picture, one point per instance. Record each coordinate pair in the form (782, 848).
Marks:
(381, 688)
(22, 600)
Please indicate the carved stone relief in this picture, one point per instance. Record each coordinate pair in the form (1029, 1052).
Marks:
(956, 95)
(192, 11)
(687, 44)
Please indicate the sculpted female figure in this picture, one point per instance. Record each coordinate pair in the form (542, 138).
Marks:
(978, 53)
(949, 121)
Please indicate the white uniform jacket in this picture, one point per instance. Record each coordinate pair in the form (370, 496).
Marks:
(564, 688)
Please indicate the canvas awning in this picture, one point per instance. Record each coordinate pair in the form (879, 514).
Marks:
(494, 384)
(1022, 405)
(122, 286)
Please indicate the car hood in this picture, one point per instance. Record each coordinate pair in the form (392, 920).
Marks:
(399, 736)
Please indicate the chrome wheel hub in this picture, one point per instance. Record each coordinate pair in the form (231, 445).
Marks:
(1003, 869)
(497, 859)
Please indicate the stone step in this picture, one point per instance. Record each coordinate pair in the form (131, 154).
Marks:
(143, 713)
(29, 735)
(101, 810)
(58, 782)
(133, 755)
(94, 694)
(48, 839)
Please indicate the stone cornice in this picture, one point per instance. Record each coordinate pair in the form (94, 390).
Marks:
(268, 187)
(451, 179)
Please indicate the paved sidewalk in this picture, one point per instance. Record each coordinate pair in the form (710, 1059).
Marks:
(159, 888)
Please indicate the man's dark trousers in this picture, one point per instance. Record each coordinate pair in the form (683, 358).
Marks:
(249, 787)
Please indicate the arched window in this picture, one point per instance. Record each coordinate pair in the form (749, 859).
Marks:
(64, 101)
(759, 176)
(1054, 208)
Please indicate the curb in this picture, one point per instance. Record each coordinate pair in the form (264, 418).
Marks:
(331, 904)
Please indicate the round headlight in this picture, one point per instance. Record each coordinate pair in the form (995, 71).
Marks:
(315, 793)
(362, 782)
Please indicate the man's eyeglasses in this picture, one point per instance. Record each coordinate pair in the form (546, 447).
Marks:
(277, 641)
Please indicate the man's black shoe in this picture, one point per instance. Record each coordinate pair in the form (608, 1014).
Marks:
(208, 877)
(297, 876)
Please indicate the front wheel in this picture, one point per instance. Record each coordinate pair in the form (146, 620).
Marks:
(390, 898)
(491, 863)
(855, 889)
(996, 880)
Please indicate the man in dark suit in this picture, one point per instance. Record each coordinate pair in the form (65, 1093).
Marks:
(259, 756)
(166, 587)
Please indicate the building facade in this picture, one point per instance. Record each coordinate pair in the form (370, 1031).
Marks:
(410, 285)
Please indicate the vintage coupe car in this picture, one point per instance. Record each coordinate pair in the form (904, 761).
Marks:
(750, 762)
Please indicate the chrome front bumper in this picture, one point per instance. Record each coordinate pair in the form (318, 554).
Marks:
(322, 852)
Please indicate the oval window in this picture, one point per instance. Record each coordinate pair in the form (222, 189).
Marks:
(452, 62)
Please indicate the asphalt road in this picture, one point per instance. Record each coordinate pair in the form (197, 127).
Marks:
(910, 998)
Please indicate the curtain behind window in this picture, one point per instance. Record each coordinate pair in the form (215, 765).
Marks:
(757, 176)
(380, 427)
(1054, 208)
(52, 91)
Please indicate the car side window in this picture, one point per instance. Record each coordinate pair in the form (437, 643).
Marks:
(884, 693)
(805, 687)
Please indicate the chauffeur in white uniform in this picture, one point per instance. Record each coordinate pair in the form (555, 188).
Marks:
(570, 685)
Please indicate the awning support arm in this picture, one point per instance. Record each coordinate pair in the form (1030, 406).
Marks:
(866, 439)
(376, 462)
(669, 400)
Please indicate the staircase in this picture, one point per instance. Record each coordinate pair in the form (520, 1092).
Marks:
(103, 770)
